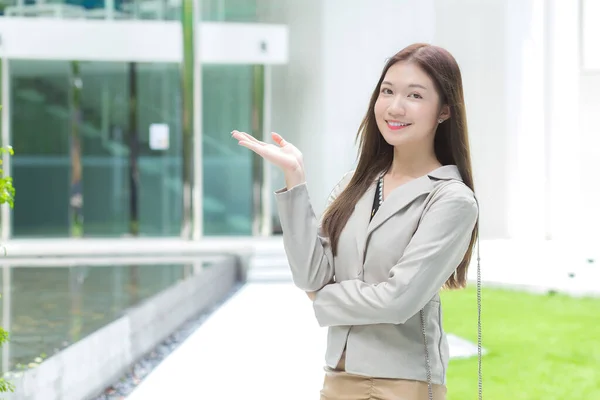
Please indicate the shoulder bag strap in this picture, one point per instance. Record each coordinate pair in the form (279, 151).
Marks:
(479, 346)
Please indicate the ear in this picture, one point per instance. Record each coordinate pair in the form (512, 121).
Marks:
(445, 112)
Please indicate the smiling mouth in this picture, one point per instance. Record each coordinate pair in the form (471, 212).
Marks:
(397, 125)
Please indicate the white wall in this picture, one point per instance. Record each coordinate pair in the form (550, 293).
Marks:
(482, 59)
(589, 112)
(336, 54)
(357, 42)
(297, 95)
(345, 48)
(590, 43)
(563, 132)
(153, 41)
(589, 125)
(523, 100)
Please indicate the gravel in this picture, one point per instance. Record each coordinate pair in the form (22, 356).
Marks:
(136, 374)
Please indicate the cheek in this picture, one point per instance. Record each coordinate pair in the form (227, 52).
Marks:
(380, 108)
(425, 112)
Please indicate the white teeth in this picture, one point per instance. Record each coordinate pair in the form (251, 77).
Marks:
(397, 124)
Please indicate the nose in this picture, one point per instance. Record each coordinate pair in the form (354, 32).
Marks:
(396, 107)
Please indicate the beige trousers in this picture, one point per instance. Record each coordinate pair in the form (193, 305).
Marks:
(340, 385)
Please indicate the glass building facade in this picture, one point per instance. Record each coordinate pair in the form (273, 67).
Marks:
(82, 133)
(211, 10)
(42, 112)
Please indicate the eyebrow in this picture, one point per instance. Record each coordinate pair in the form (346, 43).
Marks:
(412, 85)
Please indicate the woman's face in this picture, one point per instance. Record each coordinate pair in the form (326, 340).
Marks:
(408, 107)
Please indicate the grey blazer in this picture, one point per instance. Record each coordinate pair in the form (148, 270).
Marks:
(385, 271)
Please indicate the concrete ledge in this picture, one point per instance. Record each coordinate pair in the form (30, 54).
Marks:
(83, 370)
(116, 251)
(132, 246)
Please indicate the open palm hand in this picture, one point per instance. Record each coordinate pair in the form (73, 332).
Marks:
(282, 154)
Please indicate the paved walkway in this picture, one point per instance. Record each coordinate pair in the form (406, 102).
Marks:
(262, 344)
(265, 343)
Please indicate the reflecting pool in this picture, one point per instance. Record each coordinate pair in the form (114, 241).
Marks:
(46, 308)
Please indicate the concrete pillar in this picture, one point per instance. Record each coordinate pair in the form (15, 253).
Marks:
(589, 110)
(565, 220)
(191, 226)
(482, 59)
(525, 119)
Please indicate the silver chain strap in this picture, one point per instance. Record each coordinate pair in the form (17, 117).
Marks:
(422, 314)
(428, 362)
(479, 375)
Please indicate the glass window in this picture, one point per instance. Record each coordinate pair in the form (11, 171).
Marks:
(229, 10)
(212, 10)
(112, 109)
(40, 119)
(228, 171)
(104, 134)
(160, 171)
(53, 103)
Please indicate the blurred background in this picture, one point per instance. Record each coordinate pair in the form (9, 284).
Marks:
(143, 253)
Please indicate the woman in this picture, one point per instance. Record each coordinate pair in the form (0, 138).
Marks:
(396, 230)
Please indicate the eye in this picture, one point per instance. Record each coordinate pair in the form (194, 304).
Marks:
(386, 91)
(415, 95)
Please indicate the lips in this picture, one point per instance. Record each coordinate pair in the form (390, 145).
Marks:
(396, 125)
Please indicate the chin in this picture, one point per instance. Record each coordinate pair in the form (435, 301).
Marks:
(397, 139)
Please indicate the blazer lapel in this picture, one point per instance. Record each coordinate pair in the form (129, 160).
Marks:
(400, 198)
(362, 216)
(408, 192)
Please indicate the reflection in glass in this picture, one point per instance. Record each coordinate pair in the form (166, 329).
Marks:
(229, 10)
(76, 170)
(227, 103)
(40, 124)
(110, 107)
(213, 10)
(105, 127)
(190, 68)
(160, 170)
(134, 174)
(258, 99)
(43, 116)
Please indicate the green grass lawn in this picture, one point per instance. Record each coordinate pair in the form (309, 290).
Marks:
(540, 347)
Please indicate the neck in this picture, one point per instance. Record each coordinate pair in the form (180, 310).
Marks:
(412, 163)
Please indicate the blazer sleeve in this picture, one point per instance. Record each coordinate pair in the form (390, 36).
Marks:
(308, 251)
(431, 257)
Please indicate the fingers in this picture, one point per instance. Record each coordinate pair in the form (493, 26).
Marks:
(255, 147)
(268, 152)
(245, 136)
(278, 139)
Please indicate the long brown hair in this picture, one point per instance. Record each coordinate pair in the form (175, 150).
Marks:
(451, 144)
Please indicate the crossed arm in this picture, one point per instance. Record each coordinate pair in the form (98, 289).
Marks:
(435, 250)
(433, 254)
